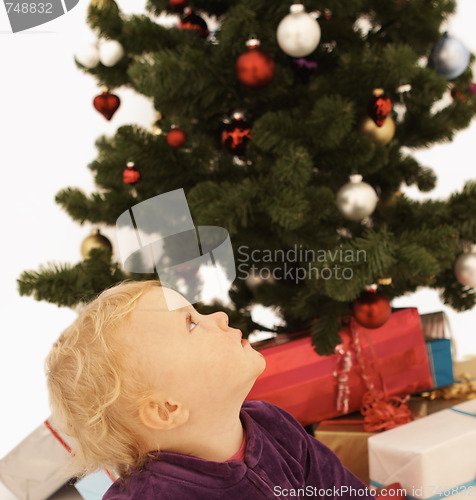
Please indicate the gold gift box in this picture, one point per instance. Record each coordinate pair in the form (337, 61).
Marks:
(346, 437)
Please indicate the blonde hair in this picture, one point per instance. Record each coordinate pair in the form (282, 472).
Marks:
(93, 396)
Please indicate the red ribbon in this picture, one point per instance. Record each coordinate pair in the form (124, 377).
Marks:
(63, 442)
(380, 411)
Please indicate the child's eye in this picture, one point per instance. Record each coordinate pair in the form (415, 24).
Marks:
(190, 322)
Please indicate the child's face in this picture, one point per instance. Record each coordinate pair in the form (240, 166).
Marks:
(189, 356)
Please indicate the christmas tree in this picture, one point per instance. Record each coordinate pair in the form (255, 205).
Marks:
(263, 136)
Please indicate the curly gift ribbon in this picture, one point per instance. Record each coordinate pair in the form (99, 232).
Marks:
(463, 388)
(380, 411)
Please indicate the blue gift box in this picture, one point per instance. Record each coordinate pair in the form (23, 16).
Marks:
(441, 362)
(94, 486)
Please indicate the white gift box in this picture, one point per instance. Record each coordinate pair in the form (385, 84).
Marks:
(432, 457)
(35, 468)
(94, 486)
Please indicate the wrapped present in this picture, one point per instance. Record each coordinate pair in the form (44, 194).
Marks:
(437, 326)
(346, 437)
(94, 486)
(432, 457)
(441, 362)
(305, 384)
(466, 367)
(37, 467)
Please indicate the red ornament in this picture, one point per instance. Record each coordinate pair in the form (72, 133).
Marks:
(379, 107)
(372, 309)
(177, 4)
(236, 135)
(130, 174)
(107, 104)
(457, 94)
(254, 68)
(176, 138)
(472, 88)
(194, 22)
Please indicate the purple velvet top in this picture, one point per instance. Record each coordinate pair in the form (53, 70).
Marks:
(281, 461)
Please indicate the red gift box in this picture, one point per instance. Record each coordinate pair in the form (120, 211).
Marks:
(303, 383)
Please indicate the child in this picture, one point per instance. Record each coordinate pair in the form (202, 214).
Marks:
(150, 388)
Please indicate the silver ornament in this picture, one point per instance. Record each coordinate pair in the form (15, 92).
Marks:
(465, 269)
(298, 33)
(449, 57)
(356, 200)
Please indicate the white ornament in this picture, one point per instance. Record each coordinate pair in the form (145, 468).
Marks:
(298, 33)
(88, 55)
(465, 269)
(356, 200)
(110, 52)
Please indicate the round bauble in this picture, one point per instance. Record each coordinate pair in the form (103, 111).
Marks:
(472, 88)
(356, 200)
(298, 33)
(88, 55)
(449, 57)
(176, 138)
(192, 21)
(177, 4)
(130, 175)
(93, 241)
(383, 134)
(110, 52)
(372, 309)
(465, 269)
(254, 68)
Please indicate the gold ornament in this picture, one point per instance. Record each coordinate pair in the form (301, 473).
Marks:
(93, 241)
(383, 134)
(385, 280)
(104, 4)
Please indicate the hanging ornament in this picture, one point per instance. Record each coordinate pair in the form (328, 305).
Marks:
(192, 21)
(131, 175)
(177, 4)
(236, 134)
(465, 268)
(456, 94)
(93, 241)
(304, 67)
(88, 55)
(107, 104)
(298, 33)
(110, 52)
(383, 134)
(472, 88)
(254, 68)
(176, 137)
(372, 309)
(379, 107)
(356, 200)
(449, 57)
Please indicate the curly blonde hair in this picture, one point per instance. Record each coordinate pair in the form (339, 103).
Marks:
(94, 395)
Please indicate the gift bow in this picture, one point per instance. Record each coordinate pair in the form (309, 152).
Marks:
(380, 411)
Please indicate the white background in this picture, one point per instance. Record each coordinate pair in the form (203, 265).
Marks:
(48, 127)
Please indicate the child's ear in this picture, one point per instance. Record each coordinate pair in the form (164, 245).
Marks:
(162, 413)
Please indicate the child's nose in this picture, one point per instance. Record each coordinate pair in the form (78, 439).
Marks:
(222, 319)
